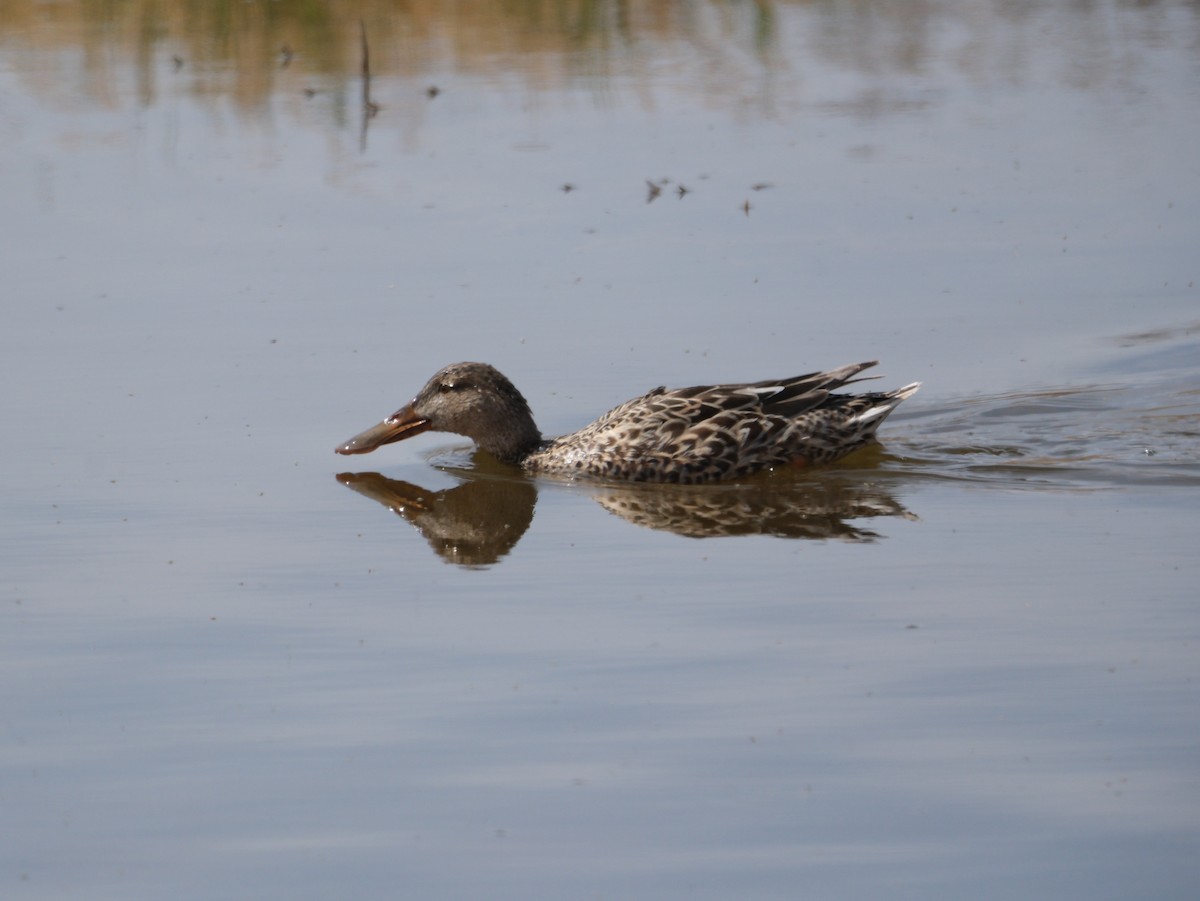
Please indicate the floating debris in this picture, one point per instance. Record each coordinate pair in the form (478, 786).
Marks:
(761, 186)
(285, 56)
(432, 91)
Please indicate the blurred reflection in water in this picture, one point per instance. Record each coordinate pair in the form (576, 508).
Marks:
(472, 524)
(481, 520)
(745, 58)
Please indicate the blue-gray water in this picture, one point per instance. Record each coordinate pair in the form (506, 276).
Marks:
(237, 665)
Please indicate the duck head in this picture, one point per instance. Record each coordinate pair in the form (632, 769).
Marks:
(471, 399)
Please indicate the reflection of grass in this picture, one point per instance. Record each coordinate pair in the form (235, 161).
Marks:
(244, 49)
(725, 51)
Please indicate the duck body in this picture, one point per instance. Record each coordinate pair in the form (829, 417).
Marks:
(706, 433)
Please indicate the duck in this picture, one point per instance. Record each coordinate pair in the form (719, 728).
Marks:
(706, 433)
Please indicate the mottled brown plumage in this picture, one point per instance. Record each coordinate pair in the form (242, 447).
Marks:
(688, 435)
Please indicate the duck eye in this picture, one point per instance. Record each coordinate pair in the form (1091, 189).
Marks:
(452, 386)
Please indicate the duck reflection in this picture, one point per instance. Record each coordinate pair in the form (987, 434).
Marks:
(812, 510)
(472, 524)
(480, 520)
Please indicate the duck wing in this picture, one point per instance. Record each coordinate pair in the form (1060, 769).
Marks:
(710, 432)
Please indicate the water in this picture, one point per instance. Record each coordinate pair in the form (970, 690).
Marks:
(238, 665)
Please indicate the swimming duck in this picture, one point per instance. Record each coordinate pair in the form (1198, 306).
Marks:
(687, 435)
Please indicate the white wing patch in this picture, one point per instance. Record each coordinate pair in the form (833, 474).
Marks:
(874, 413)
(765, 392)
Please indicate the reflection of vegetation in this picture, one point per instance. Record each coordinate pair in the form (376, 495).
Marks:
(724, 50)
(244, 49)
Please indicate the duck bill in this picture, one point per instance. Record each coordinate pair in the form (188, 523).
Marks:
(402, 424)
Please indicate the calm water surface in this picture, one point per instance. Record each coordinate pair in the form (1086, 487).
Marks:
(964, 665)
